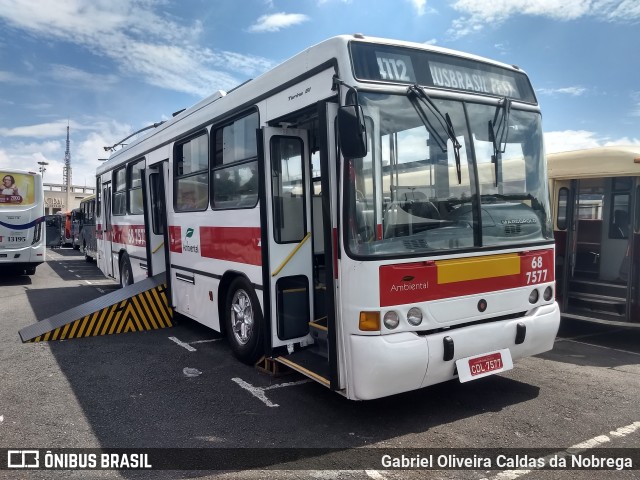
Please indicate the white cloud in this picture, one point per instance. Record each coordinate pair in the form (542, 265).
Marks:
(87, 142)
(572, 91)
(502, 48)
(478, 13)
(10, 77)
(42, 130)
(567, 140)
(138, 37)
(419, 6)
(623, 141)
(433, 41)
(635, 98)
(79, 78)
(277, 21)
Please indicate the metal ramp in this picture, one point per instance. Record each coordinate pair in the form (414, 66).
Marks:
(138, 307)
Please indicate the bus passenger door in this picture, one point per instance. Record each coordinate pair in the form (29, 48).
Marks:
(155, 217)
(105, 258)
(290, 258)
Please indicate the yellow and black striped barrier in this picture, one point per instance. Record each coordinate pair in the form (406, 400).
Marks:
(138, 307)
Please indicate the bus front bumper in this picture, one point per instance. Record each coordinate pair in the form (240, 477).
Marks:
(389, 364)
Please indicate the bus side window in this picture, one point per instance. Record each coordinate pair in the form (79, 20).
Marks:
(563, 205)
(191, 180)
(134, 187)
(234, 169)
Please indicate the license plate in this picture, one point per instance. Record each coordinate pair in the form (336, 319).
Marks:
(479, 366)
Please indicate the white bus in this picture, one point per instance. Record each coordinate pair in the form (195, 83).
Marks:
(596, 200)
(22, 243)
(371, 213)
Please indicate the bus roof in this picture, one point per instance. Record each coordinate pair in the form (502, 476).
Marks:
(279, 77)
(595, 162)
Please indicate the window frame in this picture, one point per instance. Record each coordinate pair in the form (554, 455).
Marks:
(115, 192)
(277, 238)
(130, 189)
(218, 167)
(564, 225)
(179, 144)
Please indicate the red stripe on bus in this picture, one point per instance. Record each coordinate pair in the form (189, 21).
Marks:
(129, 235)
(235, 244)
(123, 234)
(418, 281)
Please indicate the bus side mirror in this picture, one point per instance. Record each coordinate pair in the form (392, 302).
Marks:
(352, 132)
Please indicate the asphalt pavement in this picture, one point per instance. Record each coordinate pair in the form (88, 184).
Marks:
(181, 388)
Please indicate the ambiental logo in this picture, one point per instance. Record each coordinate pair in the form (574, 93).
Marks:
(407, 286)
(186, 247)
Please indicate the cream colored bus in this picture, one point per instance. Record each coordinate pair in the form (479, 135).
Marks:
(596, 213)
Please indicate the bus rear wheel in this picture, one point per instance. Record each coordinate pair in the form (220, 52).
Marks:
(126, 275)
(244, 321)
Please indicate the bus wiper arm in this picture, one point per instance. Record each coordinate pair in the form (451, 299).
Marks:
(499, 133)
(418, 98)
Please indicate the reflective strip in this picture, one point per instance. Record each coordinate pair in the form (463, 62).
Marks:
(463, 269)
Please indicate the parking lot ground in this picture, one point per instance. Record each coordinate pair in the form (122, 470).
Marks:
(182, 388)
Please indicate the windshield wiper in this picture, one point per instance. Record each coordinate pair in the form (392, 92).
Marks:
(418, 98)
(499, 134)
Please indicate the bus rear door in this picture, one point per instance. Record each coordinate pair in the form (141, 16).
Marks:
(156, 177)
(105, 257)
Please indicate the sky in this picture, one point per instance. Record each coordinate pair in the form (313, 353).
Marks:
(107, 68)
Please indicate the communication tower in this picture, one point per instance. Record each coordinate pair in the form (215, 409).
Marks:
(66, 172)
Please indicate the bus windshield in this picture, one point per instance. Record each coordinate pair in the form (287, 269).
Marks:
(410, 194)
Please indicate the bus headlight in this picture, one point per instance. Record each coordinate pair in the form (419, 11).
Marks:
(414, 316)
(534, 296)
(391, 320)
(548, 293)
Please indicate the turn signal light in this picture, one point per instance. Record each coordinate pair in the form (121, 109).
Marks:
(369, 321)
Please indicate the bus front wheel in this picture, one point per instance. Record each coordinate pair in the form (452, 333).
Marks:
(244, 321)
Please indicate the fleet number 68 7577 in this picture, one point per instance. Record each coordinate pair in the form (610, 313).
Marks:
(538, 274)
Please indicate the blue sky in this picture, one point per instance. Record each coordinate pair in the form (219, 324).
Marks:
(109, 67)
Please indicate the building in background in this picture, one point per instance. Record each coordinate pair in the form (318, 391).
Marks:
(57, 200)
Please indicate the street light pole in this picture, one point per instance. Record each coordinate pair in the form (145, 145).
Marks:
(43, 168)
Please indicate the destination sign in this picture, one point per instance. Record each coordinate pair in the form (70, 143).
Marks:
(474, 80)
(431, 69)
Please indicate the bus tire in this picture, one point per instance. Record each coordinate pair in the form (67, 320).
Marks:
(30, 270)
(244, 321)
(126, 275)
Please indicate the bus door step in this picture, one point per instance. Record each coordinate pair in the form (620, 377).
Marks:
(271, 367)
(309, 364)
